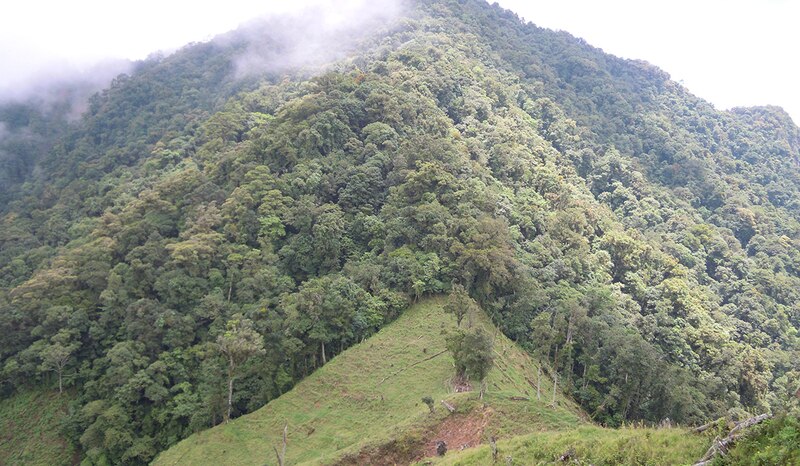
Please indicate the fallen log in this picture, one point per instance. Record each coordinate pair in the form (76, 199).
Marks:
(449, 407)
(410, 366)
(749, 422)
(720, 446)
(706, 426)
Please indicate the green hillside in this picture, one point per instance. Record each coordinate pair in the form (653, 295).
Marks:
(589, 445)
(31, 424)
(370, 396)
(204, 240)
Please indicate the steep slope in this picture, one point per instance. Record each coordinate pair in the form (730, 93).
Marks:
(590, 445)
(641, 243)
(365, 407)
(371, 396)
(31, 430)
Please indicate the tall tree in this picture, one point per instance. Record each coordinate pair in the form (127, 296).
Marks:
(57, 355)
(460, 304)
(473, 355)
(239, 342)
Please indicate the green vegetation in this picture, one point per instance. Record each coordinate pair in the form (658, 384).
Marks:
(640, 244)
(472, 355)
(590, 445)
(777, 441)
(31, 429)
(371, 395)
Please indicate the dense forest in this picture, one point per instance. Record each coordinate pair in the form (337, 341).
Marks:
(198, 241)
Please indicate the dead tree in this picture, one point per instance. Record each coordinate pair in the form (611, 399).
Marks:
(441, 447)
(449, 407)
(721, 446)
(706, 426)
(282, 455)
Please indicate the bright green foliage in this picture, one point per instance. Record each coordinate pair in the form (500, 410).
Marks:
(777, 441)
(239, 342)
(460, 304)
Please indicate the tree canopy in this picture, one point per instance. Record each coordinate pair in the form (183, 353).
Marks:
(642, 244)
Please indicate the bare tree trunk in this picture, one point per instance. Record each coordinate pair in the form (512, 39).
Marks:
(322, 343)
(282, 455)
(627, 399)
(60, 386)
(539, 383)
(585, 365)
(231, 366)
(569, 330)
(567, 344)
(555, 377)
(555, 386)
(230, 399)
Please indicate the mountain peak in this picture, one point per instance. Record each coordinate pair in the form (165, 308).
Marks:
(202, 240)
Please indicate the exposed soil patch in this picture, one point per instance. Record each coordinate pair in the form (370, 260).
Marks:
(390, 454)
(459, 431)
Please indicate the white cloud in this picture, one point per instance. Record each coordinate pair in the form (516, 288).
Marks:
(729, 52)
(732, 53)
(41, 36)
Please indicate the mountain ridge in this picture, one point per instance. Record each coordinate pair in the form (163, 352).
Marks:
(615, 226)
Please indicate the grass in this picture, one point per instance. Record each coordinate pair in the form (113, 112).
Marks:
(365, 407)
(589, 444)
(370, 395)
(30, 424)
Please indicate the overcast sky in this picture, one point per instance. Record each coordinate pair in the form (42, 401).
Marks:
(730, 52)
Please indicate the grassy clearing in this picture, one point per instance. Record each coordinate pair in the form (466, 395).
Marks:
(370, 395)
(30, 424)
(590, 445)
(364, 407)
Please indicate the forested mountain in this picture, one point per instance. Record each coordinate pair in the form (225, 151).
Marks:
(200, 224)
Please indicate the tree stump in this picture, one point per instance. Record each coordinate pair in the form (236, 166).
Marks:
(441, 447)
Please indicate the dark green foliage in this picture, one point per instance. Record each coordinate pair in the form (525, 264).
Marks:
(429, 403)
(641, 243)
(472, 353)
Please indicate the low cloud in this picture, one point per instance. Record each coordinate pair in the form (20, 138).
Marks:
(66, 88)
(303, 34)
(313, 37)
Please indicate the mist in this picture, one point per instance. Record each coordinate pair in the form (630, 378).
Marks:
(64, 87)
(46, 84)
(312, 38)
(89, 44)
